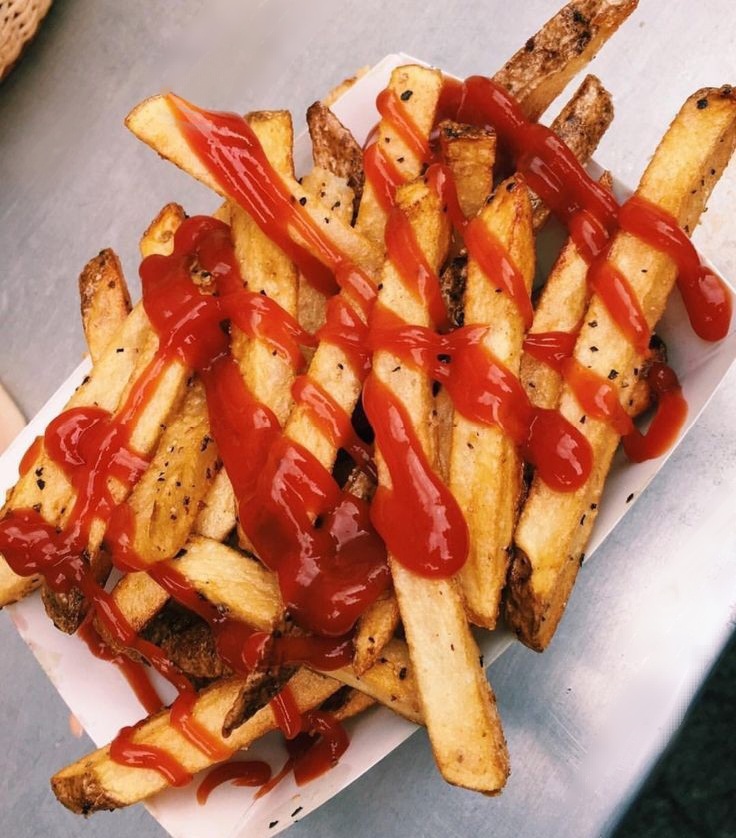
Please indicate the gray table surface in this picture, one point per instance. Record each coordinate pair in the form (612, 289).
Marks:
(586, 720)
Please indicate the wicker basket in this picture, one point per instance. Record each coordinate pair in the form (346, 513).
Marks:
(19, 20)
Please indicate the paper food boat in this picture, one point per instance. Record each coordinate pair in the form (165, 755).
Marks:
(102, 700)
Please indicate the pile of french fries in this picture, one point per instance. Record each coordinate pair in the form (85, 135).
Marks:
(414, 650)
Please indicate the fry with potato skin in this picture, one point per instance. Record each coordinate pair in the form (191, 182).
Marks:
(540, 70)
(554, 528)
(418, 88)
(485, 466)
(67, 610)
(97, 782)
(580, 125)
(456, 700)
(105, 301)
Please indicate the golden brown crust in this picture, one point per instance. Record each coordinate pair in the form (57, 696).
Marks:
(541, 69)
(335, 148)
(104, 300)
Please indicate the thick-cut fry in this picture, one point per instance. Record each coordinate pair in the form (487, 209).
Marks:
(266, 270)
(245, 590)
(167, 499)
(541, 69)
(97, 782)
(326, 185)
(153, 122)
(336, 150)
(105, 301)
(352, 703)
(159, 236)
(376, 627)
(485, 466)
(68, 609)
(419, 89)
(457, 703)
(560, 308)
(216, 517)
(580, 124)
(240, 586)
(470, 153)
(390, 681)
(554, 527)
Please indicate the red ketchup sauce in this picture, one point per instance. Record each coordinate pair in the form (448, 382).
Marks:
(551, 348)
(246, 773)
(592, 217)
(139, 755)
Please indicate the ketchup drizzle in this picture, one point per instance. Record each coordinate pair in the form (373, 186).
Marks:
(592, 216)
(245, 773)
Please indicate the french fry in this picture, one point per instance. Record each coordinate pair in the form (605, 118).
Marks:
(159, 235)
(554, 528)
(97, 782)
(67, 610)
(485, 466)
(335, 150)
(420, 88)
(456, 700)
(224, 577)
(541, 69)
(580, 124)
(153, 122)
(390, 681)
(375, 628)
(105, 301)
(325, 184)
(247, 592)
(353, 703)
(470, 153)
(166, 501)
(561, 308)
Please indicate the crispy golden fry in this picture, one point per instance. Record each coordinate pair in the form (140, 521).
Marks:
(216, 518)
(184, 475)
(104, 386)
(345, 85)
(470, 153)
(105, 301)
(266, 270)
(152, 121)
(580, 124)
(554, 527)
(67, 610)
(244, 589)
(560, 308)
(165, 501)
(220, 574)
(485, 467)
(420, 88)
(456, 700)
(336, 150)
(541, 69)
(334, 191)
(159, 236)
(96, 782)
(389, 681)
(375, 629)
